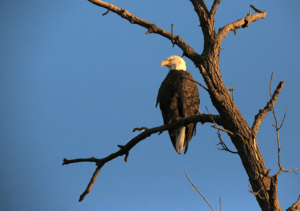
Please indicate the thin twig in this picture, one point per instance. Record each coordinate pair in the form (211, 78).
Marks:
(173, 42)
(197, 83)
(198, 110)
(232, 92)
(255, 193)
(209, 115)
(195, 188)
(216, 127)
(219, 135)
(270, 89)
(223, 144)
(283, 118)
(106, 12)
(224, 130)
(256, 9)
(281, 169)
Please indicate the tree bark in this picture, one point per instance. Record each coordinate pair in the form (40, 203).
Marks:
(264, 186)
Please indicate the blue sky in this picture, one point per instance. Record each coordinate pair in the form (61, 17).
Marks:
(74, 84)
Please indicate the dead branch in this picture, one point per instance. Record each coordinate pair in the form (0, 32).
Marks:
(106, 12)
(232, 91)
(124, 150)
(270, 89)
(263, 112)
(277, 132)
(295, 206)
(281, 169)
(172, 36)
(254, 193)
(214, 7)
(200, 8)
(256, 9)
(224, 147)
(197, 83)
(208, 64)
(205, 19)
(195, 188)
(91, 183)
(152, 28)
(222, 143)
(215, 126)
(127, 153)
(244, 22)
(198, 110)
(224, 130)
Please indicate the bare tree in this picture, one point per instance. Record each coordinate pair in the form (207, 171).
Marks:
(263, 186)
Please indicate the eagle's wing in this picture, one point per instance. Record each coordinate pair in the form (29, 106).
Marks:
(189, 96)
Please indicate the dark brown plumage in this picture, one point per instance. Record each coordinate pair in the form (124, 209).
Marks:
(178, 97)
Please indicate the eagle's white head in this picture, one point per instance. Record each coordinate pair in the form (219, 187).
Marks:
(174, 63)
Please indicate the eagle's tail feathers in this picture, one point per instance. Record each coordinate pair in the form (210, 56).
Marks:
(180, 136)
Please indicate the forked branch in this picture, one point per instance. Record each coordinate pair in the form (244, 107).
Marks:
(224, 147)
(124, 150)
(277, 127)
(244, 22)
(222, 143)
(152, 28)
(263, 112)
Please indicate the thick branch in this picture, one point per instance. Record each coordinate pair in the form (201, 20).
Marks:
(270, 105)
(152, 28)
(244, 22)
(200, 8)
(124, 150)
(206, 21)
(214, 7)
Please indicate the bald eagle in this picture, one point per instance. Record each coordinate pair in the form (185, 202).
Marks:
(178, 97)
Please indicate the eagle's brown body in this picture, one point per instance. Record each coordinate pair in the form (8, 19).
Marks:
(178, 97)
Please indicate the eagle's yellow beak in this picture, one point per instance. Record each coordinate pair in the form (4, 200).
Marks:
(164, 63)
